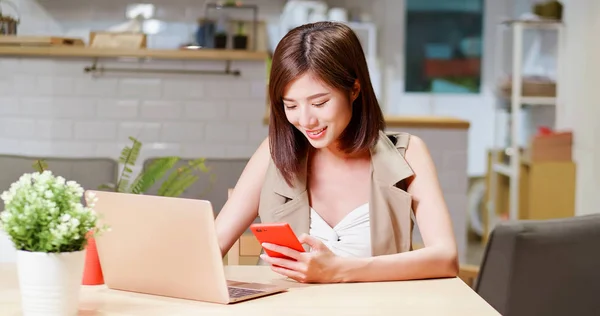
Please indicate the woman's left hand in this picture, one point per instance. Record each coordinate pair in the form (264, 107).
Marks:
(320, 265)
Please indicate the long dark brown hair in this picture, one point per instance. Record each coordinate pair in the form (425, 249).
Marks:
(333, 53)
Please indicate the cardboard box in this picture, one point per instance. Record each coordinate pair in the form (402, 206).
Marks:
(547, 190)
(556, 147)
(125, 40)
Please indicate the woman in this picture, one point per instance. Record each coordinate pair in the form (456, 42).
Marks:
(327, 168)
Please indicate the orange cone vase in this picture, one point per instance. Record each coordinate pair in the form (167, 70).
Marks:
(92, 272)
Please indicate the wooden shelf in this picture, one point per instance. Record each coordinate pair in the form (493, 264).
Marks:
(417, 122)
(174, 54)
(541, 23)
(426, 122)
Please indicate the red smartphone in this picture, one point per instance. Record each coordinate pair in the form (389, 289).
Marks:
(278, 234)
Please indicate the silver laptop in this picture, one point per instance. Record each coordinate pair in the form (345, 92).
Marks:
(166, 246)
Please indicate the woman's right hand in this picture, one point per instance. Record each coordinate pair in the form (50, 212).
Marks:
(320, 265)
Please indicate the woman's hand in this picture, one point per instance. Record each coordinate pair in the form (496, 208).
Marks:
(320, 265)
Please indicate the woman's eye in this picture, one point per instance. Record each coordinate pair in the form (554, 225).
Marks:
(289, 107)
(320, 104)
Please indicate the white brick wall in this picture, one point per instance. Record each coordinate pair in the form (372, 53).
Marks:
(51, 107)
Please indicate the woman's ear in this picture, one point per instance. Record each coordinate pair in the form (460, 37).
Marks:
(355, 90)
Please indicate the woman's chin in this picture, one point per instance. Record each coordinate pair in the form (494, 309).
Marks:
(318, 144)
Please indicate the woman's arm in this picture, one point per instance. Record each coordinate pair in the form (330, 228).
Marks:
(439, 256)
(241, 207)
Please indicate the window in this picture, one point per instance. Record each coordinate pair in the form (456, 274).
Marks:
(443, 46)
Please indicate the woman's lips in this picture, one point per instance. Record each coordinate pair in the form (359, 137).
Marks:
(316, 134)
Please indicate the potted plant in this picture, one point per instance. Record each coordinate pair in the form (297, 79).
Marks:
(49, 226)
(240, 39)
(220, 40)
(176, 182)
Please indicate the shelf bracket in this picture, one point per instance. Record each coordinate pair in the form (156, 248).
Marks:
(95, 68)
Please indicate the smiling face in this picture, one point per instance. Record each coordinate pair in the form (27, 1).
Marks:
(339, 112)
(318, 111)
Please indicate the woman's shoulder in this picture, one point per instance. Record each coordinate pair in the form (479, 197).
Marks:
(399, 139)
(263, 154)
(415, 151)
(411, 147)
(406, 140)
(257, 166)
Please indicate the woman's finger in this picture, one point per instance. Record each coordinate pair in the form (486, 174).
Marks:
(283, 250)
(295, 275)
(282, 262)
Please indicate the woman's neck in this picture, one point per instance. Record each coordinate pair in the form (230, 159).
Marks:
(335, 155)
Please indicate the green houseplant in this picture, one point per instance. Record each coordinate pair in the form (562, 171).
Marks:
(176, 180)
(175, 183)
(49, 227)
(240, 39)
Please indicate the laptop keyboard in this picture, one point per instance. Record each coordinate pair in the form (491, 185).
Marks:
(236, 292)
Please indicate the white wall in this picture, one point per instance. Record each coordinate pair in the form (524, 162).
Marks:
(582, 98)
(51, 107)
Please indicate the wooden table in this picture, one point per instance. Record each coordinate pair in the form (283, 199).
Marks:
(423, 297)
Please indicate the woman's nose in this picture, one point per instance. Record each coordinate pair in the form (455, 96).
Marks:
(307, 120)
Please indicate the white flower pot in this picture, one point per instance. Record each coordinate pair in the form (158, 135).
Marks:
(50, 282)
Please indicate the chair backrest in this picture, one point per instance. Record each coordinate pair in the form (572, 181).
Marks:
(543, 267)
(88, 172)
(246, 250)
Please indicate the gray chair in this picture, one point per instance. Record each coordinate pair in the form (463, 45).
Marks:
(548, 267)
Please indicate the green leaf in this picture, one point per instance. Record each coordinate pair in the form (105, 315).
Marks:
(107, 186)
(182, 178)
(123, 185)
(156, 170)
(200, 165)
(183, 182)
(169, 182)
(173, 179)
(129, 156)
(40, 165)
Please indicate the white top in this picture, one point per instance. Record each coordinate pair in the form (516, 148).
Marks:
(351, 237)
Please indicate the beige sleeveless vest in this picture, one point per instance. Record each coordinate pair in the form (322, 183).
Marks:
(390, 206)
